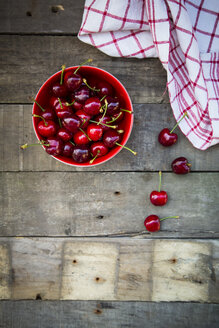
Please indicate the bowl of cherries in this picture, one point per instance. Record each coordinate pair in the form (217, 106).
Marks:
(82, 116)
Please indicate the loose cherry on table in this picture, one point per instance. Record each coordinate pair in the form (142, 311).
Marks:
(181, 165)
(152, 222)
(46, 128)
(159, 198)
(168, 138)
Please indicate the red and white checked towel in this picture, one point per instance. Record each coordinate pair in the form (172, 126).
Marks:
(184, 35)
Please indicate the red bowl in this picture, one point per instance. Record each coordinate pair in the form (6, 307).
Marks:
(44, 95)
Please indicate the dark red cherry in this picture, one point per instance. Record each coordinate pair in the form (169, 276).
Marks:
(49, 114)
(80, 138)
(82, 94)
(110, 138)
(53, 101)
(159, 198)
(181, 166)
(104, 121)
(68, 149)
(112, 105)
(72, 81)
(63, 112)
(118, 116)
(92, 106)
(47, 128)
(98, 148)
(152, 222)
(64, 134)
(81, 153)
(84, 118)
(59, 90)
(71, 123)
(94, 131)
(166, 138)
(55, 147)
(105, 89)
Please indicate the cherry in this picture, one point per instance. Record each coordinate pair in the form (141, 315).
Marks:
(81, 153)
(80, 138)
(92, 106)
(46, 128)
(84, 117)
(152, 222)
(159, 198)
(82, 94)
(72, 123)
(94, 131)
(62, 110)
(55, 147)
(98, 148)
(181, 166)
(113, 105)
(105, 89)
(68, 149)
(59, 90)
(53, 101)
(111, 138)
(73, 80)
(64, 134)
(77, 106)
(49, 114)
(117, 116)
(168, 138)
(106, 119)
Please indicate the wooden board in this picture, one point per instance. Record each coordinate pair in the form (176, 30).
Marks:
(110, 269)
(106, 204)
(96, 314)
(41, 17)
(28, 61)
(17, 129)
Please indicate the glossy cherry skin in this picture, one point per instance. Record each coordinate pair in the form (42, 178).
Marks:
(49, 114)
(166, 138)
(105, 89)
(81, 153)
(59, 90)
(47, 129)
(53, 102)
(181, 166)
(152, 223)
(64, 134)
(94, 131)
(113, 105)
(80, 138)
(116, 114)
(110, 138)
(71, 123)
(92, 106)
(99, 149)
(65, 112)
(84, 118)
(68, 149)
(55, 147)
(158, 198)
(104, 121)
(72, 81)
(82, 94)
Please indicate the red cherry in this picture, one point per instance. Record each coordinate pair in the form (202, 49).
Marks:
(49, 114)
(47, 128)
(99, 149)
(92, 106)
(84, 117)
(80, 138)
(62, 110)
(152, 222)
(77, 105)
(59, 90)
(72, 81)
(166, 138)
(159, 198)
(68, 149)
(181, 166)
(111, 138)
(55, 147)
(103, 120)
(105, 89)
(118, 116)
(112, 105)
(71, 123)
(94, 131)
(81, 153)
(82, 94)
(53, 101)
(64, 134)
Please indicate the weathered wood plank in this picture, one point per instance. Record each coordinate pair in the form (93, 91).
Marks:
(101, 204)
(40, 16)
(27, 61)
(83, 314)
(16, 129)
(111, 269)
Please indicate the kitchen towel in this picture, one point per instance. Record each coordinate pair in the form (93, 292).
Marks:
(184, 34)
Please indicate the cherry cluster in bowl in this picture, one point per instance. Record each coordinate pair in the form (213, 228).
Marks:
(83, 119)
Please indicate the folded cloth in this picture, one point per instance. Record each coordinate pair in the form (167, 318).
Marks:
(184, 34)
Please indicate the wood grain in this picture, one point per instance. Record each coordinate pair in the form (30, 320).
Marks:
(28, 61)
(88, 269)
(41, 17)
(96, 314)
(16, 129)
(102, 204)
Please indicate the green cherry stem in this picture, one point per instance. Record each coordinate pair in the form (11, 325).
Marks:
(34, 115)
(114, 119)
(93, 89)
(109, 126)
(39, 105)
(87, 61)
(126, 110)
(93, 159)
(105, 109)
(60, 123)
(37, 144)
(133, 152)
(103, 98)
(72, 143)
(67, 104)
(85, 134)
(185, 114)
(60, 103)
(160, 174)
(170, 217)
(62, 74)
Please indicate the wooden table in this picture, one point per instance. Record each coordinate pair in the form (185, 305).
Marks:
(73, 248)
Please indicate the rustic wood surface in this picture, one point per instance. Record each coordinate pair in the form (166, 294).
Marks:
(73, 248)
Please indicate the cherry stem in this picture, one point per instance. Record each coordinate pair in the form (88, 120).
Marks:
(37, 144)
(160, 174)
(67, 104)
(109, 126)
(185, 114)
(60, 103)
(62, 74)
(85, 134)
(114, 119)
(72, 142)
(87, 61)
(34, 115)
(126, 110)
(93, 159)
(60, 123)
(120, 131)
(102, 98)
(93, 89)
(39, 105)
(133, 152)
(188, 164)
(105, 109)
(170, 217)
